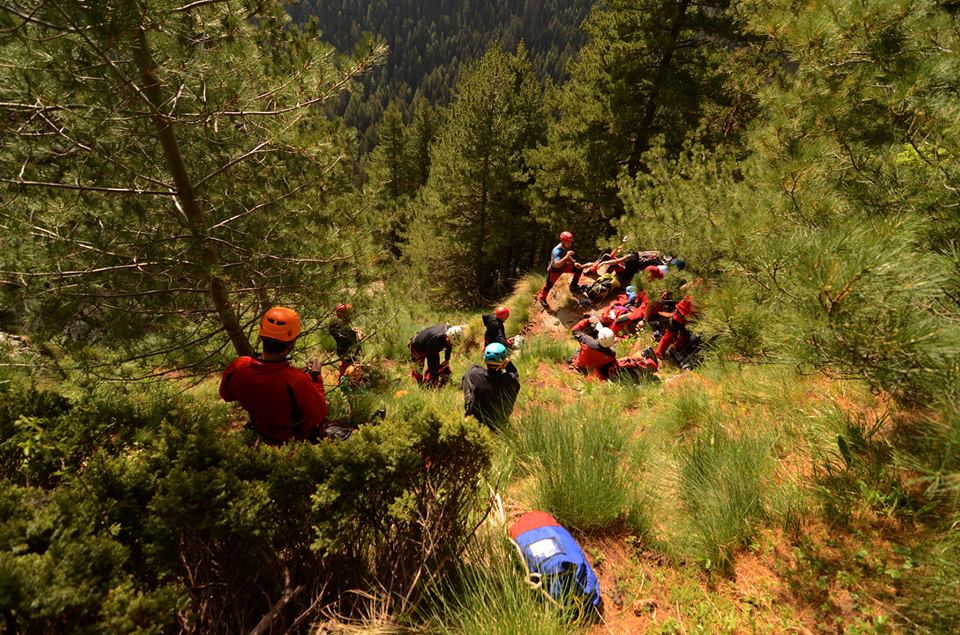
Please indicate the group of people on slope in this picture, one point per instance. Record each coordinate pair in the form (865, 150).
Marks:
(489, 391)
(285, 403)
(668, 319)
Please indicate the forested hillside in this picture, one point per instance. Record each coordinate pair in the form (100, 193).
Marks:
(431, 43)
(756, 430)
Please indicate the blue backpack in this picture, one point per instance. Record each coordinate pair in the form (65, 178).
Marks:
(556, 565)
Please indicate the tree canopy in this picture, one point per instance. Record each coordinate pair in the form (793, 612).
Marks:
(166, 164)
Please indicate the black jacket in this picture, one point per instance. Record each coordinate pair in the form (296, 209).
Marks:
(345, 337)
(489, 395)
(428, 343)
(495, 331)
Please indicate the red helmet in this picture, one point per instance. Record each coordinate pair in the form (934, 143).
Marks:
(685, 307)
(281, 324)
(654, 272)
(343, 310)
(566, 237)
(502, 312)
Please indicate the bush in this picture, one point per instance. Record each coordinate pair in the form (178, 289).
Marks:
(721, 486)
(857, 472)
(581, 464)
(195, 529)
(44, 436)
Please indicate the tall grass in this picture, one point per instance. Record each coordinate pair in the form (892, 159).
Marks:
(689, 407)
(721, 486)
(548, 349)
(581, 461)
(487, 595)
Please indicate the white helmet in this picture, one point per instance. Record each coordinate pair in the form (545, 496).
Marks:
(606, 337)
(454, 333)
(663, 269)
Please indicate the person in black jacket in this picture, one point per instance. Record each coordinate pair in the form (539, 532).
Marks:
(426, 345)
(346, 337)
(490, 393)
(493, 323)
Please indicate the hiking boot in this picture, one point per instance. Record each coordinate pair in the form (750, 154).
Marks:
(648, 353)
(544, 304)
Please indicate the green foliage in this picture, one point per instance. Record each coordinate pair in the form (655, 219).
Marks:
(185, 221)
(548, 349)
(487, 595)
(45, 437)
(931, 592)
(431, 45)
(859, 471)
(471, 224)
(195, 528)
(721, 483)
(581, 463)
(652, 74)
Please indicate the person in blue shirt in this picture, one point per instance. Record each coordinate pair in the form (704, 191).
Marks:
(561, 262)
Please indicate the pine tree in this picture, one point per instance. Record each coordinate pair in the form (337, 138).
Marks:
(165, 167)
(472, 219)
(654, 72)
(834, 240)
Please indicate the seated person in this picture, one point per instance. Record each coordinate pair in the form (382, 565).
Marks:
(346, 337)
(596, 357)
(284, 403)
(489, 393)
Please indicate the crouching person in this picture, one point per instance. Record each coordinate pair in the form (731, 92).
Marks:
(595, 358)
(426, 346)
(284, 403)
(489, 393)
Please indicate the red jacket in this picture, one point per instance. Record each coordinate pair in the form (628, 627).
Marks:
(593, 359)
(283, 403)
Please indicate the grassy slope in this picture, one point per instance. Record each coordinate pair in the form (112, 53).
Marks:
(707, 502)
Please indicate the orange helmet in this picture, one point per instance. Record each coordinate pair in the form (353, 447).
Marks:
(343, 310)
(502, 312)
(281, 324)
(566, 237)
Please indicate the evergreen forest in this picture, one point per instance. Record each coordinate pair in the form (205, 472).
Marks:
(431, 43)
(170, 170)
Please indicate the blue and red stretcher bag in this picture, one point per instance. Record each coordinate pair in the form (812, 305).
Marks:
(556, 564)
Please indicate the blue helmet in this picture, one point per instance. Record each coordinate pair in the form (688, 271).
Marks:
(495, 354)
(678, 263)
(631, 290)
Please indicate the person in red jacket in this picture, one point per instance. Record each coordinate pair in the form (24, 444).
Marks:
(595, 358)
(676, 332)
(284, 403)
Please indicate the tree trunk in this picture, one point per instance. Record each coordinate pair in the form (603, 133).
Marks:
(206, 252)
(642, 141)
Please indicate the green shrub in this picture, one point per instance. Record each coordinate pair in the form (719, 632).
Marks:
(931, 591)
(581, 464)
(193, 528)
(857, 471)
(721, 487)
(44, 436)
